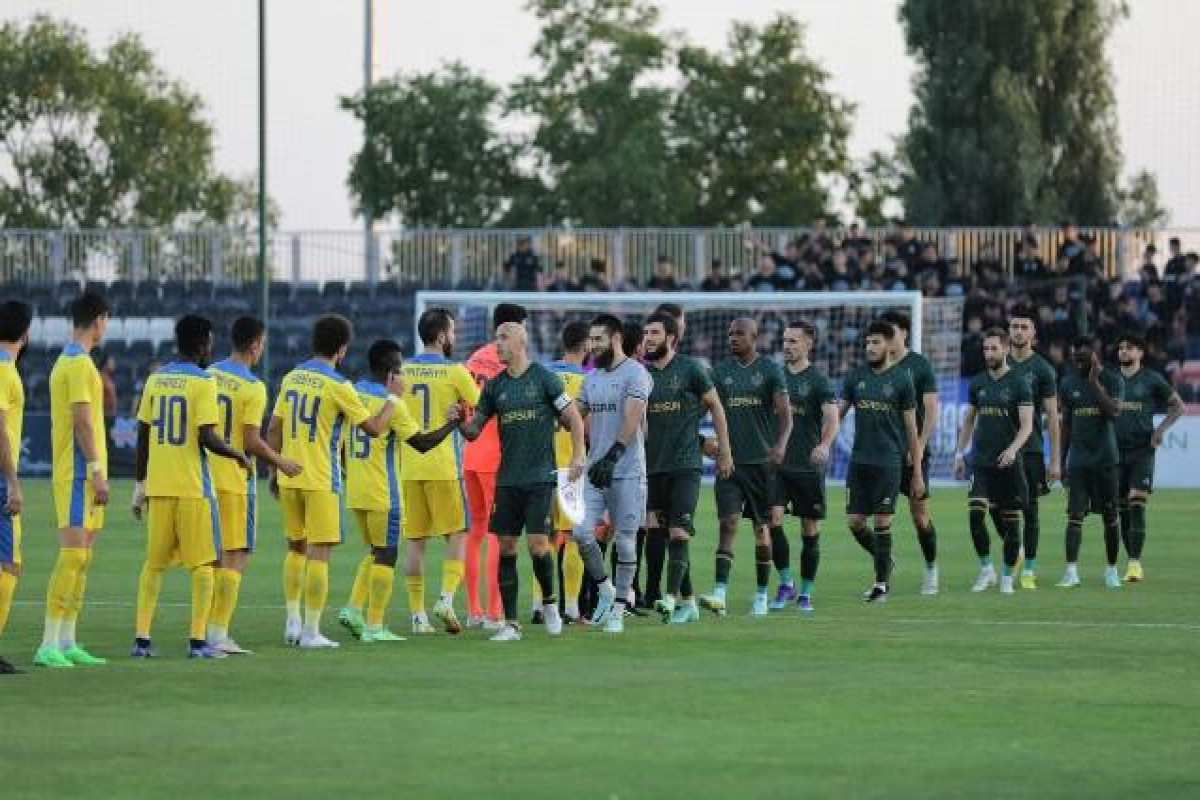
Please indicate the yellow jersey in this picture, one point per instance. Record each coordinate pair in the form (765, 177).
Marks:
(12, 403)
(315, 404)
(75, 379)
(373, 466)
(177, 401)
(572, 376)
(431, 383)
(241, 401)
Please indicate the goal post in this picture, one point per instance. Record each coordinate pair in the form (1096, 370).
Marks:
(839, 317)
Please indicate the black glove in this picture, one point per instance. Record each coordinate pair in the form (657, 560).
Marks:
(601, 473)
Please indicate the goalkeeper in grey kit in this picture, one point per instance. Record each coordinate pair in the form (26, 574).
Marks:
(614, 399)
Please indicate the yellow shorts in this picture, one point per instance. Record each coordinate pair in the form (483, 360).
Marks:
(239, 520)
(75, 503)
(312, 516)
(433, 508)
(183, 528)
(379, 528)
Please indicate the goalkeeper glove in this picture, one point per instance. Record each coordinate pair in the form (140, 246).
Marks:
(601, 473)
(138, 503)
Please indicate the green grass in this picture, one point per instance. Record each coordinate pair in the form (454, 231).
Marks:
(1085, 693)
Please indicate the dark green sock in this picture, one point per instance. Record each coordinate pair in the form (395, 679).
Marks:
(724, 564)
(1012, 538)
(1137, 528)
(1074, 539)
(507, 575)
(810, 557)
(1126, 524)
(928, 540)
(677, 564)
(1112, 537)
(863, 537)
(543, 570)
(656, 555)
(883, 554)
(685, 588)
(979, 535)
(781, 550)
(1032, 532)
(762, 566)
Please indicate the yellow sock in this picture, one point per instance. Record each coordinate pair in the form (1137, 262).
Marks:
(381, 580)
(358, 593)
(316, 592)
(572, 573)
(8, 587)
(202, 600)
(415, 584)
(293, 581)
(60, 592)
(225, 597)
(149, 583)
(452, 575)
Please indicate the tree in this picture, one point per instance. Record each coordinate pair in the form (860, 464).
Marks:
(431, 152)
(874, 186)
(599, 154)
(757, 129)
(1015, 114)
(1139, 203)
(99, 140)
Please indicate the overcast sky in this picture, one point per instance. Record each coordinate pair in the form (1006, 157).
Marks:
(315, 56)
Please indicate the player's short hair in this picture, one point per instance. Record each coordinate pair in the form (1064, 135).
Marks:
(192, 333)
(1133, 339)
(609, 322)
(668, 320)
(631, 336)
(331, 332)
(245, 332)
(379, 355)
(574, 335)
(897, 319)
(86, 309)
(15, 319)
(674, 309)
(508, 312)
(880, 328)
(1024, 312)
(433, 323)
(996, 333)
(804, 325)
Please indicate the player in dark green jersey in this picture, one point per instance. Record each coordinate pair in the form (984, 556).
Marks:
(924, 382)
(800, 479)
(1043, 381)
(885, 430)
(528, 402)
(683, 394)
(755, 399)
(1146, 392)
(998, 421)
(1091, 399)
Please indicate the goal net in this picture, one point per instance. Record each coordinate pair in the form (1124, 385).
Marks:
(839, 317)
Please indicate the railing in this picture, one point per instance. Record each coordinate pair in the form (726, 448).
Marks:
(473, 258)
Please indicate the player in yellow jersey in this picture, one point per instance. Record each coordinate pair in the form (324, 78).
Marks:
(15, 318)
(80, 480)
(177, 429)
(315, 406)
(431, 483)
(373, 493)
(241, 403)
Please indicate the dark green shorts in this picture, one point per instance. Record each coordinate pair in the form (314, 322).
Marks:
(1137, 471)
(802, 494)
(906, 478)
(1092, 490)
(1003, 488)
(748, 492)
(673, 497)
(872, 489)
(1035, 474)
(523, 508)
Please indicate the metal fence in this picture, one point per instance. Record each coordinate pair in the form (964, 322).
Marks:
(473, 258)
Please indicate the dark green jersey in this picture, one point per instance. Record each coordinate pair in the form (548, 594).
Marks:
(924, 381)
(1146, 392)
(673, 415)
(879, 400)
(1040, 375)
(748, 394)
(527, 409)
(1093, 441)
(808, 393)
(997, 404)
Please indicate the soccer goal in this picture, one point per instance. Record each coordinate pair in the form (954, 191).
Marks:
(839, 317)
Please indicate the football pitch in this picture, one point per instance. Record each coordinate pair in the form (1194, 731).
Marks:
(1055, 693)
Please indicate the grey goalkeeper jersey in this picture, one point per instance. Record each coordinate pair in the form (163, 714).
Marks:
(603, 396)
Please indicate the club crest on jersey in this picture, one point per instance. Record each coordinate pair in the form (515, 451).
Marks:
(757, 380)
(674, 384)
(888, 390)
(531, 392)
(729, 380)
(862, 386)
(503, 396)
(1004, 396)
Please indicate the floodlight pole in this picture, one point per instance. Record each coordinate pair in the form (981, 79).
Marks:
(370, 256)
(264, 284)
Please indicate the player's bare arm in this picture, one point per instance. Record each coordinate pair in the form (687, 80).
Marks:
(914, 452)
(257, 446)
(830, 422)
(1053, 428)
(931, 405)
(783, 426)
(211, 441)
(85, 437)
(8, 468)
(141, 462)
(964, 438)
(724, 450)
(1024, 429)
(424, 442)
(570, 414)
(1175, 410)
(1109, 407)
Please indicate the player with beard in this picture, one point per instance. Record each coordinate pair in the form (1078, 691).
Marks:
(1091, 400)
(885, 429)
(1137, 438)
(754, 395)
(613, 397)
(1001, 401)
(1043, 383)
